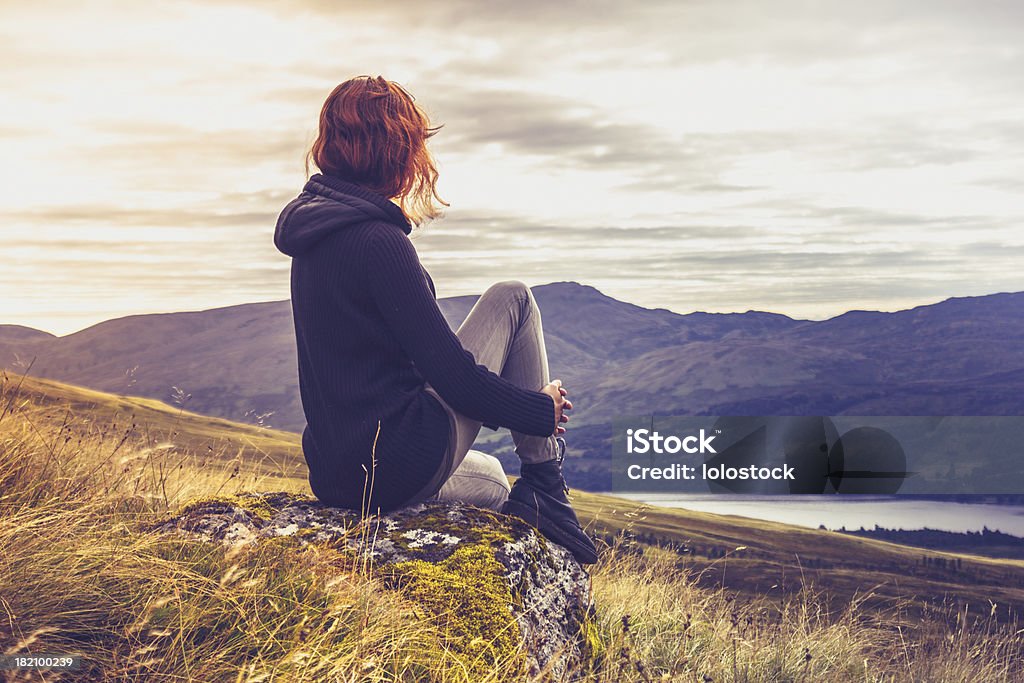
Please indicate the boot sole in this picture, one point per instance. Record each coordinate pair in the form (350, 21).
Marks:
(584, 554)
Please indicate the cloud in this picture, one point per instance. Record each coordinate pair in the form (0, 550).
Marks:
(800, 157)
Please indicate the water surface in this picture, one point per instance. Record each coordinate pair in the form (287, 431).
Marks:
(852, 512)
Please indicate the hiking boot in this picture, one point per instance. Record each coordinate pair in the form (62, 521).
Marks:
(539, 497)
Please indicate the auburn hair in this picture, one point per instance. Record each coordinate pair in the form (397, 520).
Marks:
(373, 133)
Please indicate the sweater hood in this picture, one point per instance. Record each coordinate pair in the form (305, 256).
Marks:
(328, 204)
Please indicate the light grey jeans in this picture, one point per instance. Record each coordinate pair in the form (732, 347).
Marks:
(503, 332)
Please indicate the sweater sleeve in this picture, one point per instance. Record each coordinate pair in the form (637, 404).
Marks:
(400, 290)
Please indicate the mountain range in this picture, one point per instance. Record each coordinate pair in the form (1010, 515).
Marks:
(961, 356)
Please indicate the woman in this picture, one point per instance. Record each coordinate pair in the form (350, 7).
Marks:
(393, 398)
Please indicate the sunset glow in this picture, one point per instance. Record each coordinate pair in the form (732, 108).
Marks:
(716, 156)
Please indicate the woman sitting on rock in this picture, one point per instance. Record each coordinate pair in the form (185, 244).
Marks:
(393, 398)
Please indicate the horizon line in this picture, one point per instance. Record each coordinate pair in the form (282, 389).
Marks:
(548, 284)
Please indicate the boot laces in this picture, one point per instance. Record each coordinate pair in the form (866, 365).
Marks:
(559, 458)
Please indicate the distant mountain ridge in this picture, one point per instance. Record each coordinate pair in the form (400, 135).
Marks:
(961, 356)
(16, 333)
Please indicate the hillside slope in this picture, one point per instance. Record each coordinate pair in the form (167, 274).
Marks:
(146, 426)
(85, 478)
(750, 556)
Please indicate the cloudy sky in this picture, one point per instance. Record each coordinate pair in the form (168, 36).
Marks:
(800, 157)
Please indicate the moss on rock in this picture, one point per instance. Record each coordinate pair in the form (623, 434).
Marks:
(497, 588)
(257, 505)
(469, 594)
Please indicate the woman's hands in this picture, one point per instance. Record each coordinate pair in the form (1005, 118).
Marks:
(557, 394)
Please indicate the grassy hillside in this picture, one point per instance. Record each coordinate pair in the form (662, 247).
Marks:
(775, 557)
(149, 429)
(81, 472)
(757, 557)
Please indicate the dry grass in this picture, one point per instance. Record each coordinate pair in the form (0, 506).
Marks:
(657, 623)
(77, 576)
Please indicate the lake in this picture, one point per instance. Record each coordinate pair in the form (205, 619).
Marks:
(852, 512)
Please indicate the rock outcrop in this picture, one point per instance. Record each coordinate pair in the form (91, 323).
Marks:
(453, 559)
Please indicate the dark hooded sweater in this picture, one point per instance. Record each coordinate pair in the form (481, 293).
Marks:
(369, 337)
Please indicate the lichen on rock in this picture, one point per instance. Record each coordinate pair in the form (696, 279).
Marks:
(498, 587)
(468, 590)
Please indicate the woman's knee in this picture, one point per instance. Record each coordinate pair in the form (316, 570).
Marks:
(510, 289)
(512, 295)
(480, 480)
